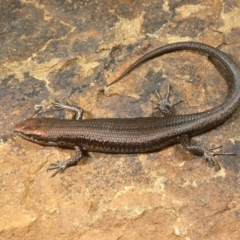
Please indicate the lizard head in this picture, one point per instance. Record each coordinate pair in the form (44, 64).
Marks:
(33, 129)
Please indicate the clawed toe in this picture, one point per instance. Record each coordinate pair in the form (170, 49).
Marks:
(58, 166)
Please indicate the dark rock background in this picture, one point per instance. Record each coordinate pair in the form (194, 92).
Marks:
(73, 49)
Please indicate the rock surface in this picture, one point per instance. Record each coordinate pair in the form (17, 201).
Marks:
(73, 49)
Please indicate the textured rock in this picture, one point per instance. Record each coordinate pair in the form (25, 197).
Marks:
(59, 49)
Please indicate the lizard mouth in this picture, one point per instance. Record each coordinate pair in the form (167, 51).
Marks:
(28, 137)
(35, 140)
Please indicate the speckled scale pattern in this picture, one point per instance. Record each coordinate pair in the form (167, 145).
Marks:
(111, 135)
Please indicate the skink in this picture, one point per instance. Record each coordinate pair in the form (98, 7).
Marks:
(135, 135)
